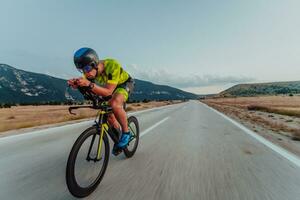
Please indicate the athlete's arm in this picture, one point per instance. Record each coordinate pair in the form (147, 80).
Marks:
(104, 91)
(99, 90)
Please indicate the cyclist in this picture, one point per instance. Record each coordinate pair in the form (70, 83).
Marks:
(105, 78)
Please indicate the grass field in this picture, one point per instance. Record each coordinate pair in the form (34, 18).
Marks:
(18, 117)
(281, 114)
(284, 105)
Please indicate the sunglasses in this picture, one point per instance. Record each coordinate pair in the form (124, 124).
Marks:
(86, 69)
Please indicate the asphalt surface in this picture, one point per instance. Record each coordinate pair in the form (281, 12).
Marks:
(187, 151)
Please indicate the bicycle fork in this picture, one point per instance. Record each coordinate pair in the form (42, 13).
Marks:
(100, 140)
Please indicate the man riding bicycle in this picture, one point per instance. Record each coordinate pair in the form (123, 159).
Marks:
(105, 78)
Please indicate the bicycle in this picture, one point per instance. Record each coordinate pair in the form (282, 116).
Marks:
(94, 141)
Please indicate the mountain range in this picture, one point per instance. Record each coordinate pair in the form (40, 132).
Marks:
(256, 89)
(19, 86)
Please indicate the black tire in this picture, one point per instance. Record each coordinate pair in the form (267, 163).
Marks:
(131, 148)
(74, 187)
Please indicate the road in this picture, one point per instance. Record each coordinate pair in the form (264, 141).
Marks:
(187, 151)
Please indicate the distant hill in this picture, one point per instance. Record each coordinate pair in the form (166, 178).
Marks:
(274, 88)
(148, 90)
(19, 86)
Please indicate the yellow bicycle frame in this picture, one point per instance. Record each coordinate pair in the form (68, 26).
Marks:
(103, 129)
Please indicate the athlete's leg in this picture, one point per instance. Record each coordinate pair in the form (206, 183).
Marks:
(116, 103)
(113, 121)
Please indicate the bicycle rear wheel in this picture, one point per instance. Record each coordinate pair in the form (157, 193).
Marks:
(84, 171)
(133, 126)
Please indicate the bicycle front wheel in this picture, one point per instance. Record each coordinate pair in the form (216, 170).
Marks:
(86, 165)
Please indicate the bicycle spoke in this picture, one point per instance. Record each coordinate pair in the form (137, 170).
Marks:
(86, 169)
(132, 131)
(88, 158)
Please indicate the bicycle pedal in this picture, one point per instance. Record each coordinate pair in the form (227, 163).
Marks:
(117, 151)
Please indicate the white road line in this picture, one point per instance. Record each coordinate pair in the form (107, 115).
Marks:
(44, 131)
(153, 109)
(154, 126)
(286, 154)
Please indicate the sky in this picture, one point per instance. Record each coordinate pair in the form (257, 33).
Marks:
(198, 46)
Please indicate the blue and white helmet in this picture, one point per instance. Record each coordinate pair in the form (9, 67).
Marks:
(85, 56)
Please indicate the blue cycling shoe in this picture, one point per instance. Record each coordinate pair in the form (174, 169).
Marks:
(125, 138)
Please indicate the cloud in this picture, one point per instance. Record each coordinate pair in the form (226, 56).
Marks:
(165, 77)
